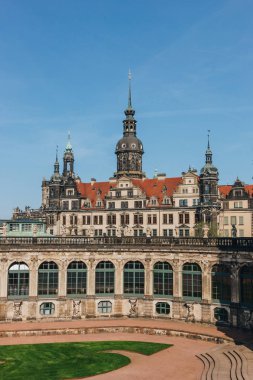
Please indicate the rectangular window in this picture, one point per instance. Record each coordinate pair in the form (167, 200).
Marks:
(226, 233)
(154, 232)
(64, 220)
(137, 204)
(138, 219)
(65, 205)
(238, 204)
(241, 221)
(124, 204)
(181, 218)
(183, 202)
(187, 218)
(26, 227)
(111, 205)
(74, 205)
(233, 220)
(225, 220)
(111, 219)
(168, 232)
(14, 227)
(130, 194)
(118, 194)
(241, 233)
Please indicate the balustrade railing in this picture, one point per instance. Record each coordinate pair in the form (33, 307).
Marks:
(219, 242)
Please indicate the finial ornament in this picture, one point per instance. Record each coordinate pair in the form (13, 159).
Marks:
(56, 153)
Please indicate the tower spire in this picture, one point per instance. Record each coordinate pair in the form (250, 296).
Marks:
(129, 90)
(56, 164)
(209, 154)
(69, 146)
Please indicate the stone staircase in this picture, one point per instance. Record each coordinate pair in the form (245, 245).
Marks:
(227, 362)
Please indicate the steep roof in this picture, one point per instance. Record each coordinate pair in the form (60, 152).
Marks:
(225, 189)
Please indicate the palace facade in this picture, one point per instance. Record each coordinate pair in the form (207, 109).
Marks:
(131, 246)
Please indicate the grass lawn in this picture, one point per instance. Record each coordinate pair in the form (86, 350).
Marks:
(58, 361)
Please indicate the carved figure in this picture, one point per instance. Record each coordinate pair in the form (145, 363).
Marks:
(234, 231)
(133, 308)
(246, 319)
(76, 308)
(17, 310)
(190, 317)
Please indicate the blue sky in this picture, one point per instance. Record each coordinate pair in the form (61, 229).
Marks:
(64, 66)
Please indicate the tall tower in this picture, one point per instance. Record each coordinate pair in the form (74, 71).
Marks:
(208, 189)
(68, 160)
(129, 149)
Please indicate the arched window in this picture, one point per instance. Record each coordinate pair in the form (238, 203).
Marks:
(48, 279)
(163, 279)
(134, 276)
(192, 281)
(104, 283)
(76, 278)
(221, 284)
(18, 281)
(246, 285)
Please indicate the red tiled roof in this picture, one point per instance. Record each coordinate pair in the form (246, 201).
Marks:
(225, 189)
(87, 190)
(154, 187)
(151, 187)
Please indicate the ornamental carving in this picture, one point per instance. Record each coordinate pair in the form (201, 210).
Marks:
(190, 316)
(133, 312)
(17, 310)
(76, 308)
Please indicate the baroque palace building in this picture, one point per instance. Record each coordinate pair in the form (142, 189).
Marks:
(178, 248)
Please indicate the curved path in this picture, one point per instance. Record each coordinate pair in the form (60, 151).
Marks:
(179, 362)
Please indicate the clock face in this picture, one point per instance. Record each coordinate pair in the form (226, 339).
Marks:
(123, 145)
(133, 146)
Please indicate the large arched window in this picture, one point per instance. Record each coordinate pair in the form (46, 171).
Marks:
(246, 285)
(48, 279)
(134, 278)
(18, 281)
(192, 281)
(163, 279)
(76, 278)
(104, 283)
(221, 284)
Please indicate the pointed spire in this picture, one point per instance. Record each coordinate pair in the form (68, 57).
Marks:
(209, 154)
(56, 158)
(129, 90)
(208, 136)
(69, 146)
(56, 164)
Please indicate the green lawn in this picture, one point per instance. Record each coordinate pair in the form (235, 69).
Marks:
(58, 361)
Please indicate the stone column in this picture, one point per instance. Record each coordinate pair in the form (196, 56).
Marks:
(62, 279)
(177, 289)
(90, 299)
(118, 290)
(148, 289)
(148, 286)
(235, 295)
(3, 278)
(33, 278)
(206, 292)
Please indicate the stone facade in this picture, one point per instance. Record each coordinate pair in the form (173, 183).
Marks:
(205, 253)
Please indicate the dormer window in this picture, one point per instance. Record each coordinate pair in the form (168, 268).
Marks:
(70, 192)
(99, 204)
(153, 201)
(166, 201)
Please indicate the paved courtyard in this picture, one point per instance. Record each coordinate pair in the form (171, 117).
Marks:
(178, 362)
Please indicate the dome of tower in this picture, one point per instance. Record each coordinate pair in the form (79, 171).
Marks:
(129, 143)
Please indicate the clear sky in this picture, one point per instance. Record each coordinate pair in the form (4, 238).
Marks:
(64, 66)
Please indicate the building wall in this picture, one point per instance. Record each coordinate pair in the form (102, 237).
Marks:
(86, 306)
